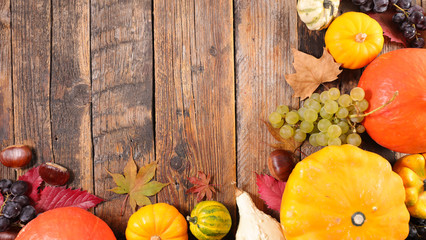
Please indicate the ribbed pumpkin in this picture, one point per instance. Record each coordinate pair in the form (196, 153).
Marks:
(344, 192)
(159, 221)
(354, 39)
(210, 220)
(317, 14)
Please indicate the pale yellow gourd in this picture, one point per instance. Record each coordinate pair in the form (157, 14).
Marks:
(255, 224)
(317, 14)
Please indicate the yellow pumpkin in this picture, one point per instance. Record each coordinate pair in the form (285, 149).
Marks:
(159, 221)
(317, 14)
(412, 169)
(344, 192)
(354, 39)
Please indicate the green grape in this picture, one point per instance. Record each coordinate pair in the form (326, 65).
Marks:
(343, 138)
(356, 119)
(312, 140)
(299, 136)
(275, 118)
(310, 115)
(354, 139)
(315, 96)
(331, 107)
(333, 93)
(360, 128)
(334, 131)
(307, 102)
(300, 112)
(334, 142)
(362, 105)
(292, 117)
(324, 96)
(306, 126)
(342, 112)
(315, 105)
(286, 131)
(322, 139)
(357, 94)
(345, 100)
(278, 125)
(324, 124)
(344, 126)
(282, 109)
(324, 114)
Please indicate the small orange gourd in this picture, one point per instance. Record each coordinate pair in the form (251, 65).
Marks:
(344, 192)
(159, 221)
(354, 39)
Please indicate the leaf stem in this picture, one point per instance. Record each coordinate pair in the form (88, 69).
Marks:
(123, 205)
(377, 109)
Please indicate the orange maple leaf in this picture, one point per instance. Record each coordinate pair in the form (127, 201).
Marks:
(311, 72)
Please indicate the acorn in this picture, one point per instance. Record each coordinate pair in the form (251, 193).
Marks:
(16, 156)
(54, 174)
(280, 164)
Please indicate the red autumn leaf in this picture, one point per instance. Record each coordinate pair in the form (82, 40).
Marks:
(34, 180)
(390, 29)
(202, 186)
(270, 190)
(56, 197)
(1, 199)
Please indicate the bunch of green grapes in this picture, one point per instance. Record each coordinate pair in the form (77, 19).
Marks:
(329, 118)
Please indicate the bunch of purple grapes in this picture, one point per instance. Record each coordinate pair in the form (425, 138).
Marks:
(410, 17)
(16, 207)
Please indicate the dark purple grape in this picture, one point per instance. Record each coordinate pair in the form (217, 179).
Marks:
(404, 25)
(28, 213)
(421, 25)
(405, 4)
(416, 17)
(414, 8)
(19, 188)
(398, 18)
(413, 231)
(5, 183)
(380, 5)
(5, 191)
(11, 210)
(4, 223)
(366, 7)
(22, 200)
(409, 32)
(358, 2)
(418, 43)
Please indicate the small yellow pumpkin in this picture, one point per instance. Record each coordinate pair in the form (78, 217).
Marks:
(354, 39)
(344, 192)
(317, 14)
(412, 169)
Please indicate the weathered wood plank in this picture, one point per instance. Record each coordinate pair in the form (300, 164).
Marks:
(265, 33)
(194, 98)
(70, 90)
(122, 78)
(6, 100)
(31, 75)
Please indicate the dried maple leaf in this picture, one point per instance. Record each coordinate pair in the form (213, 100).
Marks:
(202, 186)
(285, 144)
(390, 29)
(311, 72)
(137, 185)
(270, 190)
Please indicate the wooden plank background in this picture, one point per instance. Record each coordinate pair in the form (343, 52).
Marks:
(89, 83)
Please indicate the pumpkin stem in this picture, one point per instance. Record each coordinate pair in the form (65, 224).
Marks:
(358, 219)
(155, 238)
(328, 4)
(360, 37)
(192, 219)
(377, 109)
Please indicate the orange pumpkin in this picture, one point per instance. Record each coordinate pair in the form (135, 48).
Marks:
(159, 221)
(344, 192)
(354, 39)
(66, 223)
(401, 125)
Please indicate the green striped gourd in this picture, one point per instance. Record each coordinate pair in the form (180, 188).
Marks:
(317, 14)
(210, 220)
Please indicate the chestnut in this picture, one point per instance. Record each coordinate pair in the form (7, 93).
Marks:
(280, 164)
(54, 174)
(16, 156)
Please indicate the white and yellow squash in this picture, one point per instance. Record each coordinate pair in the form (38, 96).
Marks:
(317, 14)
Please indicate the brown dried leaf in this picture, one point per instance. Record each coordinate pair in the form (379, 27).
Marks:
(202, 186)
(285, 144)
(311, 72)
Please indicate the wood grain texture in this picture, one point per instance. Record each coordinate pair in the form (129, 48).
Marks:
(265, 33)
(71, 90)
(122, 88)
(31, 75)
(194, 98)
(6, 100)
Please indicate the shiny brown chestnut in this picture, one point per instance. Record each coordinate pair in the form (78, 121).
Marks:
(54, 174)
(9, 234)
(16, 156)
(280, 164)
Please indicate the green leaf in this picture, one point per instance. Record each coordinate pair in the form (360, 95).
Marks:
(140, 198)
(120, 180)
(146, 173)
(132, 203)
(130, 171)
(151, 188)
(118, 190)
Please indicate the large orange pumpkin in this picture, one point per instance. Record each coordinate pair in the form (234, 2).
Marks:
(400, 126)
(68, 223)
